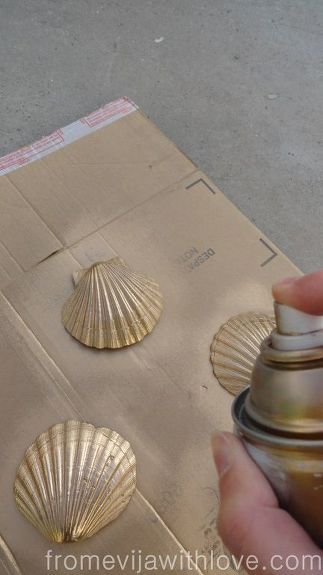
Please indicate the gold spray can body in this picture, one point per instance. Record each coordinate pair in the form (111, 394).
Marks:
(280, 421)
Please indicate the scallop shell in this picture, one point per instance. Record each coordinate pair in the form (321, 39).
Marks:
(74, 480)
(112, 306)
(235, 348)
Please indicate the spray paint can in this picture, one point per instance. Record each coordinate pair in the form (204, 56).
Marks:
(280, 417)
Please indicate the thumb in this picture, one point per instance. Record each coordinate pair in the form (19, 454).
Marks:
(250, 521)
(304, 292)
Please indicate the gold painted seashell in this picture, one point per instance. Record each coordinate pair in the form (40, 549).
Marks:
(112, 306)
(74, 480)
(235, 348)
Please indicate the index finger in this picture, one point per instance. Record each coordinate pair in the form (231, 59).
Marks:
(304, 293)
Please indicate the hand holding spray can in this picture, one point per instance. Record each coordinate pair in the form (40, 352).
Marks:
(280, 417)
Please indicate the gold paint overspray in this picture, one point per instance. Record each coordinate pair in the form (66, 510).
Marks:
(280, 417)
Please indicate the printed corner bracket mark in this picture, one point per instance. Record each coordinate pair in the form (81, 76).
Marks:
(271, 257)
(201, 180)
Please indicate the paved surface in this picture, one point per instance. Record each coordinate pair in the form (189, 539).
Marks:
(237, 84)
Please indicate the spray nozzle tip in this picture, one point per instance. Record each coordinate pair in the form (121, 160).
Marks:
(291, 321)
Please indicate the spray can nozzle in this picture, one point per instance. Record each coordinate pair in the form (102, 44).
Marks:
(286, 391)
(296, 330)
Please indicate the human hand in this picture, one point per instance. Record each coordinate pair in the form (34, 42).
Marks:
(250, 521)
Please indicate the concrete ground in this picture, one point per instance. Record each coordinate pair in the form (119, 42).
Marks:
(237, 84)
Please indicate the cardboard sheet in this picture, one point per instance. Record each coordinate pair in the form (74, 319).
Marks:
(122, 188)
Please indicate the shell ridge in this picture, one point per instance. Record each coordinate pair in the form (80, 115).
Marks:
(79, 299)
(119, 323)
(107, 449)
(122, 285)
(53, 438)
(82, 509)
(139, 287)
(229, 347)
(226, 359)
(90, 303)
(222, 370)
(27, 504)
(45, 497)
(59, 456)
(100, 508)
(139, 299)
(112, 509)
(115, 311)
(116, 439)
(94, 304)
(57, 434)
(98, 464)
(136, 319)
(85, 435)
(95, 462)
(72, 432)
(238, 337)
(93, 317)
(34, 494)
(107, 303)
(105, 311)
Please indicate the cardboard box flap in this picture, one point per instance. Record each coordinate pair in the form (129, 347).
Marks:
(9, 267)
(81, 186)
(40, 149)
(118, 167)
(25, 237)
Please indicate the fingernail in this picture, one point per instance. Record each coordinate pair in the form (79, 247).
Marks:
(221, 453)
(281, 288)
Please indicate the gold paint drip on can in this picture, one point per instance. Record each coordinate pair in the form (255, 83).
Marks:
(112, 306)
(74, 480)
(235, 348)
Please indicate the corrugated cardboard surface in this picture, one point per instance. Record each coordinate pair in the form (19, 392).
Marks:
(124, 189)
